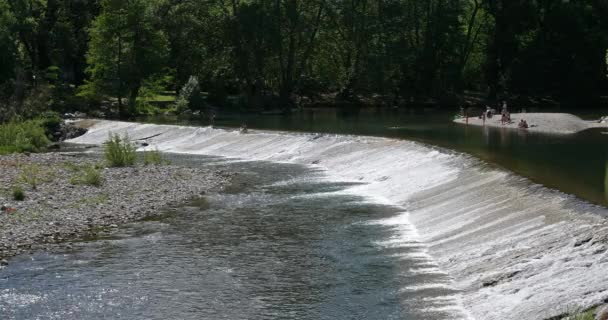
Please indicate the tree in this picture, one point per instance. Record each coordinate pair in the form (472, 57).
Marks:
(8, 50)
(126, 47)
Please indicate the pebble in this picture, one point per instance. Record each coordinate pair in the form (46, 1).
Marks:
(76, 210)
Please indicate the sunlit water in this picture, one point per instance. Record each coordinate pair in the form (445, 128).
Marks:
(281, 242)
(575, 164)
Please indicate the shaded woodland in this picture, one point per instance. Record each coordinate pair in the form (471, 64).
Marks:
(141, 56)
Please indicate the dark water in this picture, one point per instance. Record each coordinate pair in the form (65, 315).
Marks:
(279, 243)
(575, 164)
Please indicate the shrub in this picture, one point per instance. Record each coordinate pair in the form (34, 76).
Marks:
(153, 157)
(119, 152)
(87, 175)
(18, 193)
(50, 121)
(31, 174)
(25, 136)
(190, 96)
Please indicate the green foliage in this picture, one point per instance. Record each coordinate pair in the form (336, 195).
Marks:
(33, 175)
(119, 151)
(152, 96)
(50, 121)
(606, 63)
(57, 55)
(7, 49)
(583, 315)
(26, 136)
(125, 49)
(87, 175)
(190, 97)
(153, 157)
(18, 193)
(91, 91)
(38, 100)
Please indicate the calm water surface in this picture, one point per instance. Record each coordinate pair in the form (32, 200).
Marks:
(575, 164)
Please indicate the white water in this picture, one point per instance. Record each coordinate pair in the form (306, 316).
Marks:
(510, 247)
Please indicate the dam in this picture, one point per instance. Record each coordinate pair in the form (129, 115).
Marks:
(438, 234)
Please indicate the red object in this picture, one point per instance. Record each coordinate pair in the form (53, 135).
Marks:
(8, 209)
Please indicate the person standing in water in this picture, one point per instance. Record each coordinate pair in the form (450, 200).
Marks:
(212, 119)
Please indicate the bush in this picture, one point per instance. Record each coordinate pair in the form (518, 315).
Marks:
(87, 175)
(190, 97)
(18, 193)
(51, 122)
(119, 152)
(31, 174)
(153, 157)
(26, 136)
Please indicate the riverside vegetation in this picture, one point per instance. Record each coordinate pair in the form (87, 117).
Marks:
(135, 57)
(54, 197)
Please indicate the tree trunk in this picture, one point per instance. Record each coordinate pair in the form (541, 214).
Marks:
(133, 93)
(121, 109)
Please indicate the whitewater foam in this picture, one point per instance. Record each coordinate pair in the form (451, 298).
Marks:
(513, 249)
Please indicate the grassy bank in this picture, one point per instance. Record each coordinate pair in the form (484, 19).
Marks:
(24, 136)
(30, 135)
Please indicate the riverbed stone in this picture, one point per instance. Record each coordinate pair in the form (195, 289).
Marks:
(59, 210)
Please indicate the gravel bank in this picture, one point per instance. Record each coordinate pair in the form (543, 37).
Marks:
(59, 211)
(556, 123)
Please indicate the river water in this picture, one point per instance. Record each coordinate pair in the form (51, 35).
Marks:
(335, 226)
(575, 164)
(281, 242)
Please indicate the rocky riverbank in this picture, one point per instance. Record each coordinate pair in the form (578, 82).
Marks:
(58, 210)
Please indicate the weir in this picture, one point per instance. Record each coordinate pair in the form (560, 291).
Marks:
(511, 249)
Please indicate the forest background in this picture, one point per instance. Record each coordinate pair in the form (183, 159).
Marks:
(130, 57)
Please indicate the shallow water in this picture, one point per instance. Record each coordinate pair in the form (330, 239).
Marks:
(281, 242)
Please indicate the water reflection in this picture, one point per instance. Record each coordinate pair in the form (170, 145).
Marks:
(571, 163)
(606, 182)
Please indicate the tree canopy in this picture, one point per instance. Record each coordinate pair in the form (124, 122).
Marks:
(284, 53)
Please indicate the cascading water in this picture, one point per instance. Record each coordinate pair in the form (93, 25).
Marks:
(508, 249)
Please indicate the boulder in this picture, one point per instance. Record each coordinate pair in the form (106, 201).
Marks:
(602, 313)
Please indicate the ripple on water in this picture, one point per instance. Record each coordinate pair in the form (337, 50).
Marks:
(301, 249)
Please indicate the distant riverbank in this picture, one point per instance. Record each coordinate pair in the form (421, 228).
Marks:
(58, 210)
(556, 123)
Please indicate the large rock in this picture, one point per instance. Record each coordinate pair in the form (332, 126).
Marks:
(68, 131)
(602, 313)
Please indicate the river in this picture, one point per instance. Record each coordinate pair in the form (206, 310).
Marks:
(342, 226)
(575, 164)
(281, 242)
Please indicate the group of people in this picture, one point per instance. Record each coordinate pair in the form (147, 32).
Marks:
(505, 116)
(523, 124)
(489, 113)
